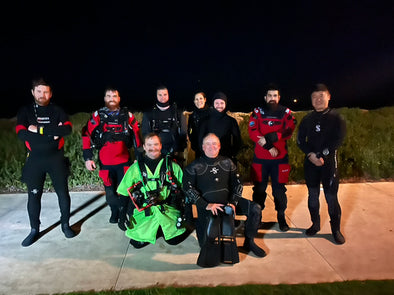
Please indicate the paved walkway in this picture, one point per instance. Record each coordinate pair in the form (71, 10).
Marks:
(100, 257)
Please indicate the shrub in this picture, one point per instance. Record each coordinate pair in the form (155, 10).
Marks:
(366, 154)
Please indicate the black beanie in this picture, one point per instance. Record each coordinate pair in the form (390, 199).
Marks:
(220, 95)
(319, 87)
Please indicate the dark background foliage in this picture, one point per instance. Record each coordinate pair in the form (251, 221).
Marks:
(366, 155)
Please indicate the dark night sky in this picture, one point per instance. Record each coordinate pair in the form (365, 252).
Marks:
(236, 47)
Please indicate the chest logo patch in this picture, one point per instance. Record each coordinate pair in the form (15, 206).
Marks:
(317, 128)
(214, 170)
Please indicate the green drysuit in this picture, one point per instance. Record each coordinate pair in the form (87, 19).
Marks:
(144, 225)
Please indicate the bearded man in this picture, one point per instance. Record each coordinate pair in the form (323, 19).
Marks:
(112, 131)
(270, 127)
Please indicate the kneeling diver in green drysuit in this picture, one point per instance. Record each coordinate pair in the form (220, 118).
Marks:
(154, 184)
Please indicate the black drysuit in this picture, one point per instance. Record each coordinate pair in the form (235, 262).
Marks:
(224, 127)
(45, 155)
(215, 180)
(193, 128)
(170, 125)
(322, 133)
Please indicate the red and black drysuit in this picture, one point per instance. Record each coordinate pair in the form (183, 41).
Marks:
(112, 133)
(277, 126)
(45, 155)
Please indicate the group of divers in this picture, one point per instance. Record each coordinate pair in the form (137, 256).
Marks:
(154, 195)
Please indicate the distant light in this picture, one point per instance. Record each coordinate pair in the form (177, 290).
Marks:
(295, 100)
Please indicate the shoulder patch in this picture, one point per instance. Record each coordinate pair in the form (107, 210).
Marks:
(95, 117)
(252, 123)
(196, 167)
(226, 164)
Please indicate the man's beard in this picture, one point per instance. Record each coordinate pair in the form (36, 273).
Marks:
(112, 105)
(272, 105)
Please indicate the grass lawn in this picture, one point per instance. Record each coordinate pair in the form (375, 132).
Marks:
(349, 287)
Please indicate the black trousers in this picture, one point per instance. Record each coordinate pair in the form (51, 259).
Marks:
(112, 175)
(244, 207)
(270, 169)
(34, 174)
(328, 176)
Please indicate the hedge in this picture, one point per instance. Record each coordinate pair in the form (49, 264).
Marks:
(366, 155)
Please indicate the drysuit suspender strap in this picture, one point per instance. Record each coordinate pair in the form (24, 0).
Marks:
(144, 176)
(165, 170)
(143, 172)
(172, 181)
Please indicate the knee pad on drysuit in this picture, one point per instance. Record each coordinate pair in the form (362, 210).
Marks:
(253, 221)
(259, 195)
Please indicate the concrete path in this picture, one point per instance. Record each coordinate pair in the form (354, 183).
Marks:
(100, 257)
